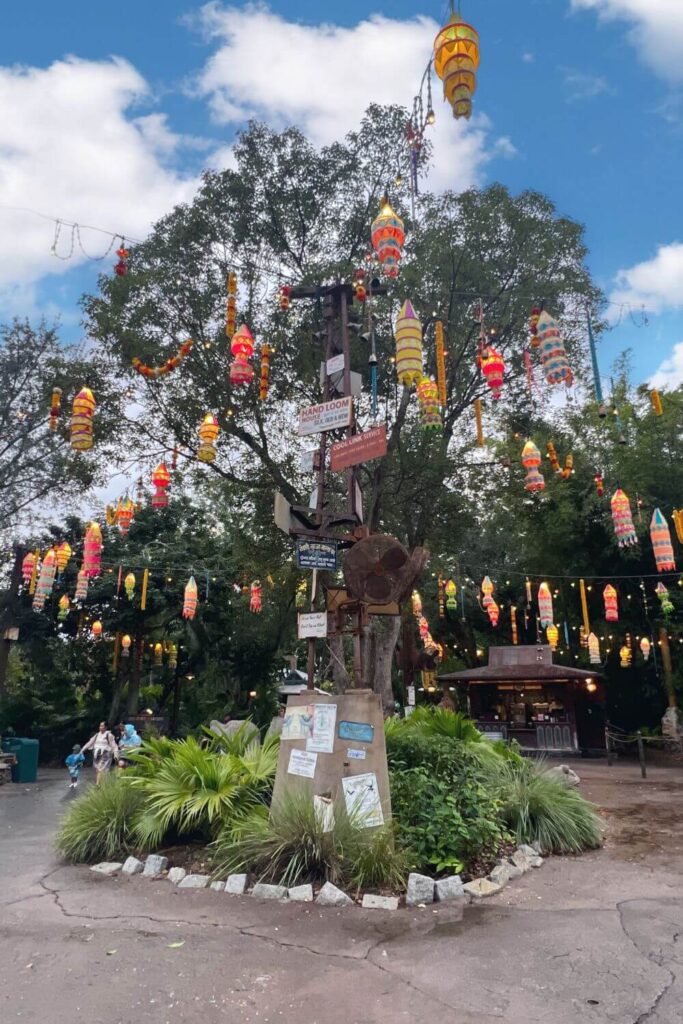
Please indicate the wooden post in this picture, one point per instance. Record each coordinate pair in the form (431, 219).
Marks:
(641, 753)
(665, 651)
(608, 746)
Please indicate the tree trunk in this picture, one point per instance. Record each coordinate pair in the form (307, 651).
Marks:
(342, 679)
(115, 700)
(8, 613)
(133, 699)
(384, 633)
(665, 652)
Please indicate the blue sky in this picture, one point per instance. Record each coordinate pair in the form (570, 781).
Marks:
(582, 99)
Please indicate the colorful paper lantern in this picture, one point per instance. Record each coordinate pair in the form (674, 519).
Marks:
(242, 348)
(553, 355)
(96, 629)
(416, 602)
(599, 485)
(161, 479)
(487, 589)
(231, 305)
(256, 597)
(656, 400)
(172, 651)
(158, 654)
(284, 297)
(594, 655)
(208, 433)
(129, 584)
(493, 612)
(611, 604)
(623, 520)
(124, 512)
(531, 460)
(126, 643)
(451, 590)
(677, 517)
(428, 397)
(625, 656)
(553, 636)
(92, 550)
(408, 346)
(388, 236)
(661, 543)
(265, 371)
(63, 554)
(81, 591)
(493, 368)
(545, 606)
(456, 60)
(82, 413)
(64, 605)
(27, 566)
(46, 580)
(645, 648)
(301, 594)
(55, 408)
(440, 346)
(663, 595)
(190, 599)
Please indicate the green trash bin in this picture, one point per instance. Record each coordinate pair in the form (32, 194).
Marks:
(26, 753)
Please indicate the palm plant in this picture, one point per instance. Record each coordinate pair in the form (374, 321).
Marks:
(100, 824)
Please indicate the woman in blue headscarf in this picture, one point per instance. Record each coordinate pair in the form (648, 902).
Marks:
(129, 741)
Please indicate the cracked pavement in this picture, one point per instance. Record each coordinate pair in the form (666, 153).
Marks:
(592, 939)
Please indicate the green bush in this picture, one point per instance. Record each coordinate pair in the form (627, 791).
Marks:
(99, 825)
(290, 847)
(430, 721)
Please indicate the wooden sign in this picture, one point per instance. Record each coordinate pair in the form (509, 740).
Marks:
(328, 416)
(372, 444)
(313, 624)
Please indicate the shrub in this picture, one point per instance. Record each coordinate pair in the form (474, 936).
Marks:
(99, 825)
(430, 721)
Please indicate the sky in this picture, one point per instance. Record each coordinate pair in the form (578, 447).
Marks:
(111, 111)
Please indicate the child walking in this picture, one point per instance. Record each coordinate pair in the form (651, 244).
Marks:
(74, 762)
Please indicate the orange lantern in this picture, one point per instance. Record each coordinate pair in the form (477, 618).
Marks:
(126, 642)
(55, 408)
(161, 478)
(531, 460)
(123, 514)
(96, 629)
(190, 599)
(208, 433)
(82, 413)
(553, 635)
(611, 604)
(625, 656)
(493, 612)
(158, 654)
(255, 602)
(63, 553)
(242, 348)
(27, 566)
(493, 368)
(456, 60)
(231, 308)
(265, 371)
(388, 236)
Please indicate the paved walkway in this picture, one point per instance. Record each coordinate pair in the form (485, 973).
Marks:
(592, 939)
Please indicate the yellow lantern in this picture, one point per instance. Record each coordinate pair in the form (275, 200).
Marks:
(63, 607)
(82, 413)
(208, 433)
(129, 584)
(451, 590)
(126, 642)
(553, 635)
(158, 654)
(645, 648)
(408, 346)
(63, 552)
(625, 656)
(172, 651)
(96, 629)
(456, 60)
(388, 236)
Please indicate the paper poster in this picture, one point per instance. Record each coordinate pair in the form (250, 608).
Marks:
(324, 721)
(324, 812)
(411, 696)
(312, 624)
(362, 799)
(298, 723)
(302, 763)
(360, 732)
(355, 755)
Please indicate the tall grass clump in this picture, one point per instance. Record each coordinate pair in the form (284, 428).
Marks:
(100, 824)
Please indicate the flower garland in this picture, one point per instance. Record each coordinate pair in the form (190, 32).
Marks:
(170, 364)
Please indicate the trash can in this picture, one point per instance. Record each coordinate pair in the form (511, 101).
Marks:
(26, 753)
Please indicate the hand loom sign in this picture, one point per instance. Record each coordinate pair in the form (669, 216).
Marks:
(316, 419)
(360, 448)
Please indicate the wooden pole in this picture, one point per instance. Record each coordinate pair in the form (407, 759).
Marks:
(665, 651)
(608, 746)
(641, 753)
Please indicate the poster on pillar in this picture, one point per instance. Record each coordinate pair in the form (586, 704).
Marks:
(324, 722)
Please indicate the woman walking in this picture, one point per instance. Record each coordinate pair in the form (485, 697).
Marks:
(103, 746)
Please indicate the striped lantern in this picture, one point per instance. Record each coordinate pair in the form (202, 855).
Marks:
(231, 305)
(161, 479)
(493, 612)
(82, 413)
(623, 520)
(594, 655)
(27, 567)
(661, 543)
(265, 371)
(46, 580)
(81, 591)
(545, 606)
(242, 348)
(255, 597)
(64, 606)
(63, 553)
(92, 551)
(190, 599)
(440, 346)
(208, 434)
(493, 368)
(553, 636)
(456, 60)
(611, 604)
(531, 460)
(408, 346)
(125, 510)
(428, 397)
(388, 236)
(487, 589)
(553, 355)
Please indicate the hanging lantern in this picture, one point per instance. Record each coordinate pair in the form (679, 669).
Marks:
(64, 606)
(96, 629)
(416, 601)
(611, 604)
(479, 422)
(81, 591)
(172, 651)
(125, 510)
(487, 589)
(545, 606)
(242, 348)
(623, 520)
(408, 346)
(533, 326)
(583, 637)
(599, 485)
(428, 397)
(451, 590)
(158, 654)
(553, 635)
(55, 408)
(190, 599)
(301, 594)
(208, 433)
(231, 305)
(661, 543)
(656, 400)
(92, 550)
(625, 656)
(456, 59)
(46, 580)
(129, 584)
(360, 290)
(440, 345)
(441, 596)
(27, 567)
(553, 355)
(677, 517)
(255, 598)
(63, 553)
(82, 413)
(161, 479)
(594, 655)
(284, 295)
(121, 268)
(126, 643)
(645, 648)
(531, 460)
(423, 627)
(493, 612)
(663, 595)
(265, 372)
(493, 368)
(388, 236)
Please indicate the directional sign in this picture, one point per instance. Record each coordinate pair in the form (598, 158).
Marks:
(316, 554)
(328, 416)
(360, 448)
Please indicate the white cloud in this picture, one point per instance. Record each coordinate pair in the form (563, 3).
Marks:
(323, 77)
(69, 147)
(670, 373)
(656, 29)
(656, 284)
(581, 86)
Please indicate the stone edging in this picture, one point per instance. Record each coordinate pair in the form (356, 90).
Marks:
(420, 890)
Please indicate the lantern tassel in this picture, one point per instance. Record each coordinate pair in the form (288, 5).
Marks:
(479, 422)
(143, 595)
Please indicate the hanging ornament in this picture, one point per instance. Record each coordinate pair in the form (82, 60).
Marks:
(96, 629)
(92, 550)
(408, 346)
(121, 268)
(123, 514)
(428, 397)
(81, 591)
(242, 348)
(129, 584)
(208, 433)
(158, 650)
(388, 236)
(533, 326)
(584, 607)
(64, 606)
(599, 485)
(440, 345)
(161, 479)
(493, 612)
(301, 594)
(82, 413)
(661, 543)
(46, 580)
(63, 553)
(663, 595)
(487, 589)
(416, 602)
(625, 656)
(423, 627)
(172, 651)
(126, 643)
(255, 598)
(513, 625)
(531, 460)
(265, 371)
(441, 594)
(594, 655)
(623, 520)
(231, 305)
(677, 516)
(27, 567)
(456, 59)
(611, 604)
(284, 296)
(597, 384)
(479, 423)
(656, 400)
(493, 368)
(55, 408)
(545, 606)
(553, 635)
(583, 637)
(553, 355)
(645, 648)
(451, 591)
(152, 372)
(360, 290)
(190, 599)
